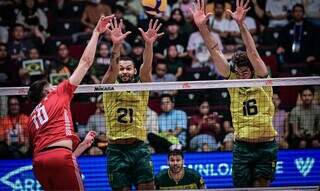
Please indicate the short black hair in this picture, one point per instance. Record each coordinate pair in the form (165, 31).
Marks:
(62, 44)
(219, 2)
(18, 25)
(35, 93)
(160, 61)
(12, 97)
(172, 22)
(307, 88)
(118, 8)
(127, 58)
(137, 42)
(298, 5)
(175, 152)
(167, 95)
(240, 59)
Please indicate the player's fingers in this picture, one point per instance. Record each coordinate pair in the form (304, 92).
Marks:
(150, 23)
(155, 24)
(158, 27)
(108, 28)
(208, 15)
(191, 9)
(160, 34)
(198, 4)
(246, 10)
(246, 4)
(93, 133)
(202, 4)
(141, 31)
(100, 19)
(109, 18)
(126, 34)
(112, 24)
(115, 22)
(241, 3)
(121, 24)
(237, 3)
(229, 12)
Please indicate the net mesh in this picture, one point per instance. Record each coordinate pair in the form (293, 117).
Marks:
(203, 116)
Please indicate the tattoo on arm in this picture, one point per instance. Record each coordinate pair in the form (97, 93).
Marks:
(115, 57)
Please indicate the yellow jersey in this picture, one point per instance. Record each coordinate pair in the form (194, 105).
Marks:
(252, 111)
(125, 114)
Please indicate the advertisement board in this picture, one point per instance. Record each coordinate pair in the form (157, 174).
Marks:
(294, 168)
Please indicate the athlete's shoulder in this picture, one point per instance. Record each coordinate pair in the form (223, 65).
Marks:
(192, 172)
(163, 173)
(195, 177)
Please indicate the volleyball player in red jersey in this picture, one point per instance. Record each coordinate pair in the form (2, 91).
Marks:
(51, 133)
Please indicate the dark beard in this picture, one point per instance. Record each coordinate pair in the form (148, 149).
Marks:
(134, 79)
(180, 169)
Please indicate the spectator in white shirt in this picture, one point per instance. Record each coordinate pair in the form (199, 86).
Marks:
(198, 51)
(277, 12)
(218, 23)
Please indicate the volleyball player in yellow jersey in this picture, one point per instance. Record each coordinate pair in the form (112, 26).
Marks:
(255, 150)
(129, 159)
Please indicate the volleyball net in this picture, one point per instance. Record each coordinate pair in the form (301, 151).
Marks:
(205, 117)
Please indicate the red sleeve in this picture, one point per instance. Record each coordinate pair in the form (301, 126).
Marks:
(66, 89)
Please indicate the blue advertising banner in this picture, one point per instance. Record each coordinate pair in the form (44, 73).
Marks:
(294, 168)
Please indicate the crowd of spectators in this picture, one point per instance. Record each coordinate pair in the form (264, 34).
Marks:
(44, 39)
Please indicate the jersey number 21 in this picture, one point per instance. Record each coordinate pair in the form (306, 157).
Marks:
(123, 112)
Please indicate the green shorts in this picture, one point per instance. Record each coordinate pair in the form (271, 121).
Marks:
(129, 165)
(252, 161)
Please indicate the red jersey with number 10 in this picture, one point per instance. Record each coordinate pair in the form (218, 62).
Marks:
(51, 120)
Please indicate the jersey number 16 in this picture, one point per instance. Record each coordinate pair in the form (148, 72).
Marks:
(250, 107)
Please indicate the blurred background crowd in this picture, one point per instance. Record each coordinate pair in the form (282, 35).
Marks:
(45, 39)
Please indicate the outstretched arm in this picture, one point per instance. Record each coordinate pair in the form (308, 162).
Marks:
(89, 52)
(200, 19)
(253, 55)
(149, 37)
(117, 38)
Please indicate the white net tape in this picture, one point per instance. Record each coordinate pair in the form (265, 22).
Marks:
(183, 85)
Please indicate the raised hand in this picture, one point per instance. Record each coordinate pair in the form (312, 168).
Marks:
(103, 24)
(198, 12)
(151, 34)
(116, 33)
(88, 140)
(240, 13)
